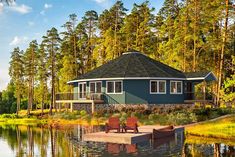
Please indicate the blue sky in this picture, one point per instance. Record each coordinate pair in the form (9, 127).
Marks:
(26, 20)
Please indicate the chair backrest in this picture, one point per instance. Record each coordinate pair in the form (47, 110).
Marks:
(131, 121)
(114, 121)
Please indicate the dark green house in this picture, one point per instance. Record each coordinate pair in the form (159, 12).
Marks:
(134, 78)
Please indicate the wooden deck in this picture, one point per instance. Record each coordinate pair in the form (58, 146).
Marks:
(145, 134)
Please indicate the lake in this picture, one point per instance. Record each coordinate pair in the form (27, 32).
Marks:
(44, 141)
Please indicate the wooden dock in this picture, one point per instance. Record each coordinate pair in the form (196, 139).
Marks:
(145, 134)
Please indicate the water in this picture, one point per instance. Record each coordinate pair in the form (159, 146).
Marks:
(43, 141)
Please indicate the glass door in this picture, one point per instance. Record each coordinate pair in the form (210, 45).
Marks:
(82, 90)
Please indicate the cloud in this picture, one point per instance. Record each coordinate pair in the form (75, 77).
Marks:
(42, 12)
(47, 6)
(31, 23)
(22, 9)
(4, 76)
(100, 1)
(104, 3)
(18, 40)
(1, 7)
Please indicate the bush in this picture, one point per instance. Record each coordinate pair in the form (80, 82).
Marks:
(181, 118)
(10, 116)
(83, 113)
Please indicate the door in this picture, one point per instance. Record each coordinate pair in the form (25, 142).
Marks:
(82, 90)
(189, 91)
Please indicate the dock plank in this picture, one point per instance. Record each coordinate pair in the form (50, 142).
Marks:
(145, 133)
(122, 138)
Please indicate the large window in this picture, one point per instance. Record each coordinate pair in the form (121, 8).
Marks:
(176, 87)
(95, 87)
(157, 87)
(114, 87)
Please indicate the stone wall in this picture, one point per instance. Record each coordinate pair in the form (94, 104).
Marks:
(120, 107)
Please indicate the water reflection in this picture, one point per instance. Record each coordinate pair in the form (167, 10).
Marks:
(44, 141)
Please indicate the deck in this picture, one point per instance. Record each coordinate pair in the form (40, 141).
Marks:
(145, 134)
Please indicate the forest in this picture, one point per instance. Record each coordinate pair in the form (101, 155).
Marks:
(189, 35)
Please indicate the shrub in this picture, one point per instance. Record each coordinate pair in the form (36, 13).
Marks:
(181, 118)
(11, 116)
(83, 113)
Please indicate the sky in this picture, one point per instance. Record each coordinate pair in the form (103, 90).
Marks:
(27, 20)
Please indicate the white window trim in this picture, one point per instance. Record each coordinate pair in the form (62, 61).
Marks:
(114, 87)
(157, 87)
(95, 86)
(176, 87)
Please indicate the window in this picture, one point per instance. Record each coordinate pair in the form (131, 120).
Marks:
(176, 87)
(98, 87)
(114, 87)
(157, 87)
(110, 87)
(95, 87)
(92, 87)
(118, 87)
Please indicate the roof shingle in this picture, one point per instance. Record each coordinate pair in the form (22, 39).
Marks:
(133, 64)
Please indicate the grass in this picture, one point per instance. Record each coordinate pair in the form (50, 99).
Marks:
(190, 139)
(222, 128)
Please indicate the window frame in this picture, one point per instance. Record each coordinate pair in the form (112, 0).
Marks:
(158, 92)
(176, 87)
(95, 82)
(114, 88)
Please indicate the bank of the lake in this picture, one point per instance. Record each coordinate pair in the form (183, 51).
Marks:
(221, 128)
(177, 116)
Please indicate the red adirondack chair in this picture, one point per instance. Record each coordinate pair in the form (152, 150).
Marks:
(113, 124)
(131, 124)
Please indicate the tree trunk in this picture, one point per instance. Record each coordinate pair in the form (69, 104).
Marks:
(18, 103)
(194, 36)
(222, 52)
(29, 98)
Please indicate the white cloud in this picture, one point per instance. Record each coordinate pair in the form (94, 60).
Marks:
(23, 9)
(42, 12)
(47, 6)
(18, 40)
(1, 7)
(100, 1)
(31, 23)
(104, 3)
(4, 77)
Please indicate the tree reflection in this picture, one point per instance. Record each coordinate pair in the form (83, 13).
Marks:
(47, 141)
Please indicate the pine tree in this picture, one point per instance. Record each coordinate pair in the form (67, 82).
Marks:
(138, 28)
(110, 44)
(16, 72)
(89, 22)
(69, 44)
(30, 63)
(70, 54)
(42, 76)
(52, 45)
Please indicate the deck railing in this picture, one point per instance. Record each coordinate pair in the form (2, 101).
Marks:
(79, 96)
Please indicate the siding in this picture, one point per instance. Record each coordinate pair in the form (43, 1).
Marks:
(138, 92)
(113, 98)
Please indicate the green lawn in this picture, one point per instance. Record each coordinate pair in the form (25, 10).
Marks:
(221, 128)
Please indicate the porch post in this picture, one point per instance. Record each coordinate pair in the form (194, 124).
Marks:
(71, 106)
(204, 90)
(92, 106)
(59, 107)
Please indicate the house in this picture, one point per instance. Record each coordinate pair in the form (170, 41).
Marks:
(134, 78)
